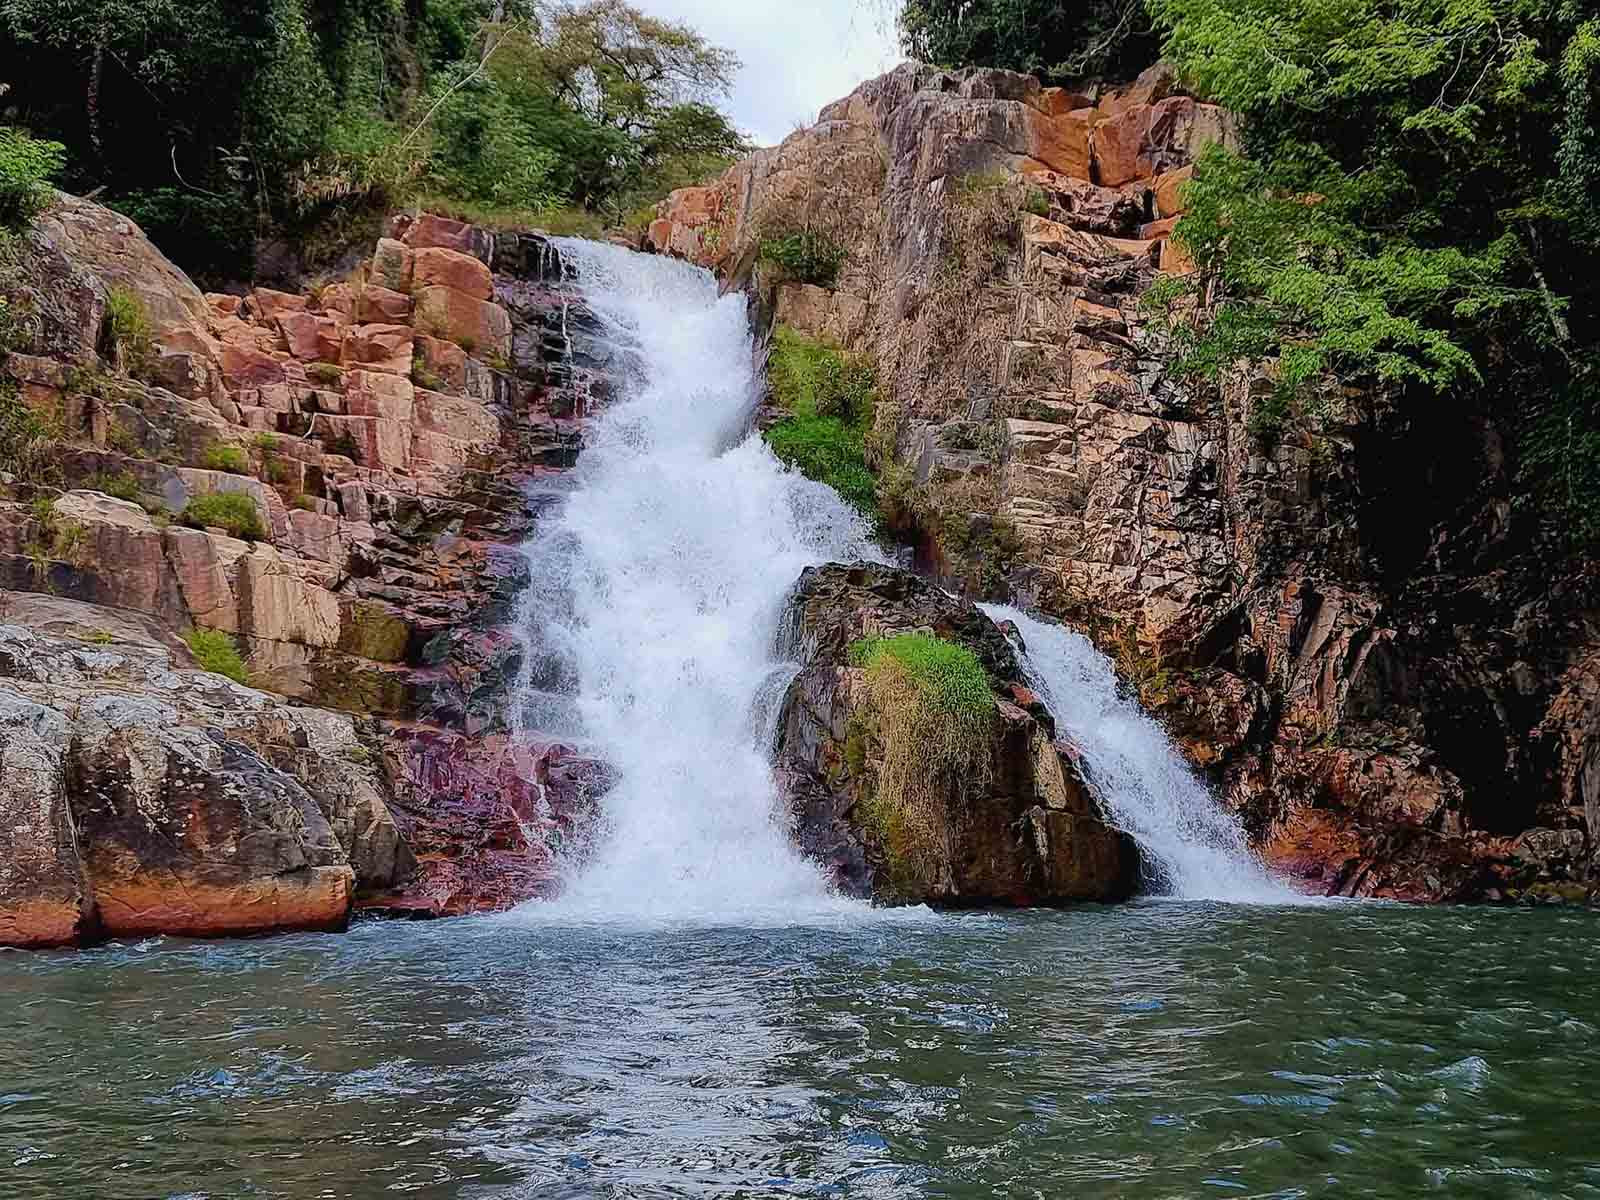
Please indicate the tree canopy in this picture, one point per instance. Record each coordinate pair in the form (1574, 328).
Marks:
(212, 122)
(1052, 38)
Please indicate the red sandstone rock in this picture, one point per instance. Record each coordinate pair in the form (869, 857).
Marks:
(266, 304)
(436, 266)
(244, 366)
(446, 360)
(1061, 143)
(312, 338)
(429, 230)
(1168, 188)
(378, 348)
(479, 327)
(381, 306)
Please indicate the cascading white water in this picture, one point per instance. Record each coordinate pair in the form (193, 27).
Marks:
(657, 591)
(1192, 848)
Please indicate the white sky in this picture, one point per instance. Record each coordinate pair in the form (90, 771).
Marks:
(798, 55)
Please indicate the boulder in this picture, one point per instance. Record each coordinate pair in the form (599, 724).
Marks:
(43, 894)
(1014, 825)
(392, 265)
(140, 798)
(380, 305)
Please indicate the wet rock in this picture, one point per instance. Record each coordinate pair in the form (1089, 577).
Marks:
(1023, 832)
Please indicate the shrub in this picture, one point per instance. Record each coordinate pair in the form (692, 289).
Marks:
(26, 164)
(233, 511)
(934, 711)
(227, 458)
(216, 652)
(805, 257)
(128, 327)
(326, 374)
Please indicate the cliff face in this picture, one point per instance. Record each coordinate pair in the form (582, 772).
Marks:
(1398, 702)
(375, 444)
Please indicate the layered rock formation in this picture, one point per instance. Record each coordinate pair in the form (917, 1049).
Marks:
(1395, 706)
(1024, 831)
(381, 435)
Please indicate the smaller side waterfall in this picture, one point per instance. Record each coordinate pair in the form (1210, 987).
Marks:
(1192, 848)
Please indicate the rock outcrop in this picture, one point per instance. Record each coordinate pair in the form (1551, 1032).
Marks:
(380, 433)
(138, 797)
(1021, 831)
(1395, 695)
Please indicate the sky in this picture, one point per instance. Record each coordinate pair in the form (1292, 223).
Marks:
(798, 55)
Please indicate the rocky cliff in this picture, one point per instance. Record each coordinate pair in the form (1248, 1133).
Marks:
(1398, 698)
(339, 483)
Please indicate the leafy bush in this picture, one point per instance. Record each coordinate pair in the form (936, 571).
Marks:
(26, 440)
(805, 257)
(225, 457)
(829, 397)
(216, 652)
(326, 374)
(234, 512)
(26, 164)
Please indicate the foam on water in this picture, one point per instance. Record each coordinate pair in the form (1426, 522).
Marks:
(1191, 847)
(658, 589)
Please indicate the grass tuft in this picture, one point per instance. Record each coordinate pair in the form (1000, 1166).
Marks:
(216, 652)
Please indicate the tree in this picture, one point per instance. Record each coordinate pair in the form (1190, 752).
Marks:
(1057, 39)
(1414, 212)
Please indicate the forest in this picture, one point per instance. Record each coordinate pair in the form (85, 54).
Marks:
(216, 124)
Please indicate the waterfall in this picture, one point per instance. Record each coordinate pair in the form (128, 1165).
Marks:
(1191, 847)
(658, 586)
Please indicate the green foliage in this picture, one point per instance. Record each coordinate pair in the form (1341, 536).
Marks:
(829, 397)
(423, 377)
(128, 326)
(1110, 38)
(214, 123)
(234, 512)
(26, 166)
(805, 257)
(327, 374)
(933, 717)
(216, 652)
(948, 674)
(227, 458)
(1416, 215)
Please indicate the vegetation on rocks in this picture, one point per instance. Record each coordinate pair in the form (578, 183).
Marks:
(234, 512)
(829, 397)
(934, 713)
(1055, 40)
(1414, 217)
(218, 653)
(213, 124)
(26, 166)
(229, 459)
(805, 257)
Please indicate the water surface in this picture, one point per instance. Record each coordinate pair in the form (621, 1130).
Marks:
(1155, 1050)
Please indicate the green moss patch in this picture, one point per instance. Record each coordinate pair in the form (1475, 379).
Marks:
(829, 396)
